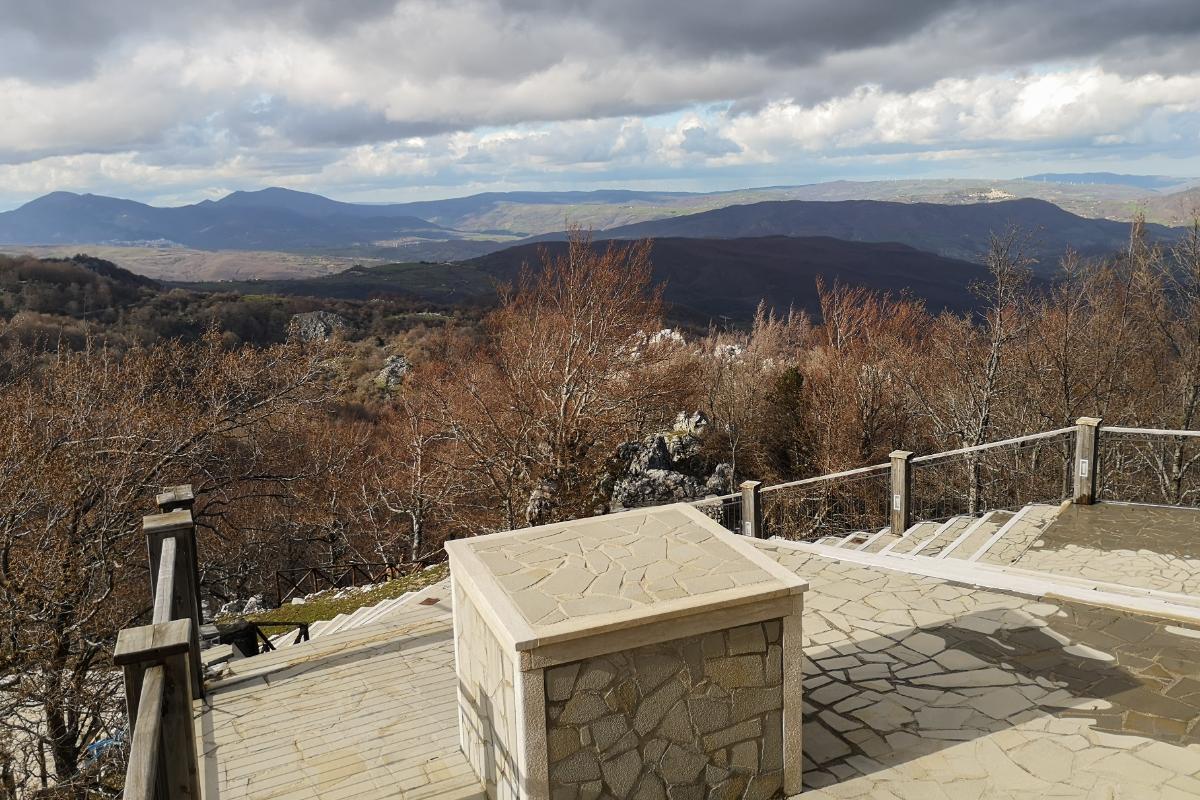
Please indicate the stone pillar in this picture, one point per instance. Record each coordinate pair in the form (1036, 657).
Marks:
(1087, 440)
(752, 518)
(650, 653)
(900, 516)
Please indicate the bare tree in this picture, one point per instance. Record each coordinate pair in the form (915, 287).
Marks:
(85, 439)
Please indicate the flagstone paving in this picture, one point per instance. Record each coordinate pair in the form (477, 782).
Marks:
(613, 563)
(369, 713)
(1150, 547)
(914, 688)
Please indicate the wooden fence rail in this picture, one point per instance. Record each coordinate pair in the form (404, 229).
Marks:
(161, 661)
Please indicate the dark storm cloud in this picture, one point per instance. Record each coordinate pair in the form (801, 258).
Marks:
(298, 87)
(67, 36)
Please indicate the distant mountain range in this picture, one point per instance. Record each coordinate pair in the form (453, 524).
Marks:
(271, 219)
(953, 231)
(1110, 179)
(280, 220)
(706, 279)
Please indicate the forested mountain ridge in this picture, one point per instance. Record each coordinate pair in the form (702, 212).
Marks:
(705, 280)
(954, 231)
(48, 302)
(726, 279)
(278, 220)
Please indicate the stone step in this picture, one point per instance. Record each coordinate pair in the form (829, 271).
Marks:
(335, 625)
(358, 616)
(913, 536)
(885, 539)
(946, 533)
(318, 627)
(285, 639)
(829, 541)
(874, 537)
(1007, 547)
(387, 607)
(973, 548)
(853, 541)
(976, 535)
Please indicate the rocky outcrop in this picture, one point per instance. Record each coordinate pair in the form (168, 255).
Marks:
(393, 372)
(667, 467)
(317, 326)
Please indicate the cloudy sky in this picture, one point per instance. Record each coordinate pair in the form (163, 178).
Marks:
(173, 102)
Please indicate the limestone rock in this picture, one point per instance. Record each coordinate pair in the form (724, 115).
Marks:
(393, 372)
(667, 466)
(317, 326)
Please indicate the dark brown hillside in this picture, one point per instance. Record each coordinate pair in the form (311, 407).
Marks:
(727, 278)
(954, 231)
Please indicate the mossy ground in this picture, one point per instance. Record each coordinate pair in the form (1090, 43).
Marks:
(328, 606)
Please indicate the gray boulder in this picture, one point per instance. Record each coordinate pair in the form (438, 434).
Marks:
(667, 467)
(393, 372)
(317, 326)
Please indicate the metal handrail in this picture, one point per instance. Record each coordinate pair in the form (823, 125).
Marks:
(991, 445)
(714, 498)
(850, 473)
(1147, 431)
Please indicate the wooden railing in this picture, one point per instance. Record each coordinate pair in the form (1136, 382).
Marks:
(291, 583)
(161, 661)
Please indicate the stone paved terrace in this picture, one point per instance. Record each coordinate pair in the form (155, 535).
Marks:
(921, 688)
(915, 687)
(1151, 547)
(369, 713)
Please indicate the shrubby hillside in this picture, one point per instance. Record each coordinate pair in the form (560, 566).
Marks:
(550, 406)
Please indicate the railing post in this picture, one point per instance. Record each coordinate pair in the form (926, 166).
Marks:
(186, 598)
(1087, 441)
(752, 518)
(174, 498)
(166, 645)
(900, 515)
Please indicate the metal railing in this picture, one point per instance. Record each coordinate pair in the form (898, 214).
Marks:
(1084, 463)
(1147, 465)
(829, 505)
(999, 475)
(161, 661)
(725, 509)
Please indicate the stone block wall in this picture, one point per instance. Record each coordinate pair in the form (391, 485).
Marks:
(487, 698)
(698, 718)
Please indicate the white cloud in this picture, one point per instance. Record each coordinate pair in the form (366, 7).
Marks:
(1049, 108)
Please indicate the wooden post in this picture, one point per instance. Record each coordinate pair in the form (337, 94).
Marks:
(185, 602)
(752, 518)
(1087, 441)
(174, 498)
(156, 658)
(901, 516)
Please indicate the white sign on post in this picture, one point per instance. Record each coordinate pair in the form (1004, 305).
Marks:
(1083, 467)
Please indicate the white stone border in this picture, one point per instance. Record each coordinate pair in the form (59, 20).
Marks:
(1025, 582)
(515, 632)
